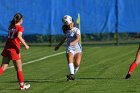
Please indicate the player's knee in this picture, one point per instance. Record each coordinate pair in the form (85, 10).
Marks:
(77, 64)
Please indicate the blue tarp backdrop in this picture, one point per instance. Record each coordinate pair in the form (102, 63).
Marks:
(45, 16)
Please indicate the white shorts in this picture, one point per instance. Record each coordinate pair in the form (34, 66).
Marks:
(74, 51)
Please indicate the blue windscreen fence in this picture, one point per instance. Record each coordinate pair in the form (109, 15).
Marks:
(96, 16)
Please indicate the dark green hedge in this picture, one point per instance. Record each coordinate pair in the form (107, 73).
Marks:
(85, 37)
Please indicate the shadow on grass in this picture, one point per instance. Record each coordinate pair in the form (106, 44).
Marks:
(45, 80)
(97, 78)
(64, 80)
(39, 81)
(15, 89)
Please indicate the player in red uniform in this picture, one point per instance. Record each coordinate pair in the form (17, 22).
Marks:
(11, 50)
(134, 64)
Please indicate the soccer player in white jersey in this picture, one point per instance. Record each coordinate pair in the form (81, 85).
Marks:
(73, 46)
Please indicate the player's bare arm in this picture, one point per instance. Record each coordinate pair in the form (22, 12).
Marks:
(22, 40)
(75, 41)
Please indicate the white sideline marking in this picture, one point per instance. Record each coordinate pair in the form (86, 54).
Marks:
(33, 61)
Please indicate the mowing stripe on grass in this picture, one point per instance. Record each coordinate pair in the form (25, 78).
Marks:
(33, 61)
(42, 58)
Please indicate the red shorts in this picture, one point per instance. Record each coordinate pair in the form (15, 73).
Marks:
(11, 53)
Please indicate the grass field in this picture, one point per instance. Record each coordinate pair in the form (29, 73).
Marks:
(102, 70)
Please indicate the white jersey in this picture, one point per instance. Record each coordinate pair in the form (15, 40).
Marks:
(71, 35)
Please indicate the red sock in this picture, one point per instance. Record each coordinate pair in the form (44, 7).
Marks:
(1, 70)
(20, 76)
(132, 67)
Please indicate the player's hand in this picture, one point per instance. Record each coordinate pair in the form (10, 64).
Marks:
(27, 47)
(56, 48)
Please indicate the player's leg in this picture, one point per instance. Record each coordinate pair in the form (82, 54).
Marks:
(77, 58)
(70, 62)
(134, 64)
(70, 65)
(18, 67)
(4, 65)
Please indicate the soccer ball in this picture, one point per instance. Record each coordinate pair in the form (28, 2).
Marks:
(67, 20)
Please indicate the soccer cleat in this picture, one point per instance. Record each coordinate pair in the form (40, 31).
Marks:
(127, 76)
(25, 86)
(70, 77)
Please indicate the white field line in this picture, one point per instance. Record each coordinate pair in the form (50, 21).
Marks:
(33, 61)
(42, 58)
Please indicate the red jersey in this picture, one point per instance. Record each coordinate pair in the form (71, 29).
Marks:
(13, 41)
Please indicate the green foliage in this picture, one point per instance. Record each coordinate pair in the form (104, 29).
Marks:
(3, 39)
(38, 38)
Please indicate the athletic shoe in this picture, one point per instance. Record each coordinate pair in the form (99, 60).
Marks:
(127, 76)
(70, 77)
(25, 86)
